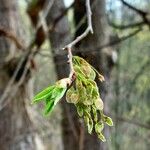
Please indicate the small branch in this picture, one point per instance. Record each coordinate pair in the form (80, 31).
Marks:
(121, 39)
(89, 14)
(88, 29)
(146, 126)
(12, 37)
(140, 12)
(123, 27)
(57, 19)
(70, 63)
(79, 38)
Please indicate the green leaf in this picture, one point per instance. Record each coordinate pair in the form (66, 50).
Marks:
(72, 96)
(95, 114)
(99, 127)
(92, 75)
(108, 121)
(79, 110)
(99, 104)
(90, 126)
(49, 107)
(57, 94)
(43, 95)
(101, 137)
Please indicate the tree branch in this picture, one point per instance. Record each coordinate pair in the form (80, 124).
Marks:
(131, 121)
(12, 37)
(140, 12)
(88, 29)
(123, 27)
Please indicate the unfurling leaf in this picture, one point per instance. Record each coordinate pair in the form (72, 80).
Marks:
(101, 78)
(43, 95)
(99, 127)
(52, 94)
(108, 121)
(79, 110)
(99, 104)
(57, 94)
(95, 113)
(72, 96)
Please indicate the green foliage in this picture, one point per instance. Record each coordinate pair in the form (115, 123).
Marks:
(52, 95)
(83, 93)
(85, 96)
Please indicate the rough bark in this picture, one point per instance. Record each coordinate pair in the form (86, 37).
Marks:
(16, 130)
(59, 38)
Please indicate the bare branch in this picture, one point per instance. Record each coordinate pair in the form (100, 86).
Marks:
(57, 19)
(123, 27)
(131, 121)
(140, 12)
(119, 40)
(88, 29)
(12, 37)
(70, 62)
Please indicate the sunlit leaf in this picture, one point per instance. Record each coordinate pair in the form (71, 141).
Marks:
(99, 104)
(90, 126)
(108, 121)
(99, 127)
(44, 94)
(80, 110)
(101, 137)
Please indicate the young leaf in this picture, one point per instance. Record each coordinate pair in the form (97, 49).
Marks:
(99, 104)
(43, 95)
(95, 114)
(57, 94)
(108, 121)
(49, 107)
(90, 126)
(72, 96)
(99, 127)
(79, 110)
(101, 137)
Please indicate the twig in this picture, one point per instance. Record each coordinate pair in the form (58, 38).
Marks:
(88, 29)
(121, 39)
(70, 63)
(11, 36)
(57, 19)
(4, 101)
(43, 15)
(122, 27)
(79, 38)
(140, 12)
(137, 75)
(146, 126)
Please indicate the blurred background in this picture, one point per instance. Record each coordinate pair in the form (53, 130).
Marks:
(32, 35)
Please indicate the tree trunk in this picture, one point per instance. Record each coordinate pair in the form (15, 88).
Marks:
(96, 56)
(16, 130)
